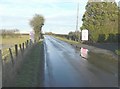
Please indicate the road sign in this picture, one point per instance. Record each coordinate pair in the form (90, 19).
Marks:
(84, 35)
(32, 36)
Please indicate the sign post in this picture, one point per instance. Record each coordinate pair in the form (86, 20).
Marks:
(32, 36)
(85, 35)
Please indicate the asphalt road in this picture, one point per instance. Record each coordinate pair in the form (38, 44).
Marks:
(64, 67)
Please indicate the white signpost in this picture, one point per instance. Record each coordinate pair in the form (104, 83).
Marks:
(32, 36)
(85, 35)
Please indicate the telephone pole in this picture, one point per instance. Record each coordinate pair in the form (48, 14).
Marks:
(77, 19)
(77, 16)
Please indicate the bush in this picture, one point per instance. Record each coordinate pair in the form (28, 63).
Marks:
(101, 38)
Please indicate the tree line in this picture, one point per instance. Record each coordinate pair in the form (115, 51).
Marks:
(9, 33)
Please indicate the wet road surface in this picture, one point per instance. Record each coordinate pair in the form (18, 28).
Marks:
(64, 67)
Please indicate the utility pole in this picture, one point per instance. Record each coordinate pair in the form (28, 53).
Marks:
(77, 18)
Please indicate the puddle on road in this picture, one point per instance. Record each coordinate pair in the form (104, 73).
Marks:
(103, 61)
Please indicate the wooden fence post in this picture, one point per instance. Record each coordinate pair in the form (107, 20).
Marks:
(27, 42)
(23, 46)
(0, 56)
(20, 47)
(11, 55)
(1, 62)
(16, 50)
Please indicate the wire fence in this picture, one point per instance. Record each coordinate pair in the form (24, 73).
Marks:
(12, 59)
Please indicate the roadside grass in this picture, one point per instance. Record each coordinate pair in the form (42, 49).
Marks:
(117, 52)
(31, 72)
(66, 40)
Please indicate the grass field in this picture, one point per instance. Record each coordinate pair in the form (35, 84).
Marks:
(9, 42)
(17, 40)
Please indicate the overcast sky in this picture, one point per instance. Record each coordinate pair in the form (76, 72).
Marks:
(60, 15)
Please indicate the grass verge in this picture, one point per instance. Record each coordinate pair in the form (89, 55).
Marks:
(31, 72)
(66, 40)
(117, 52)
